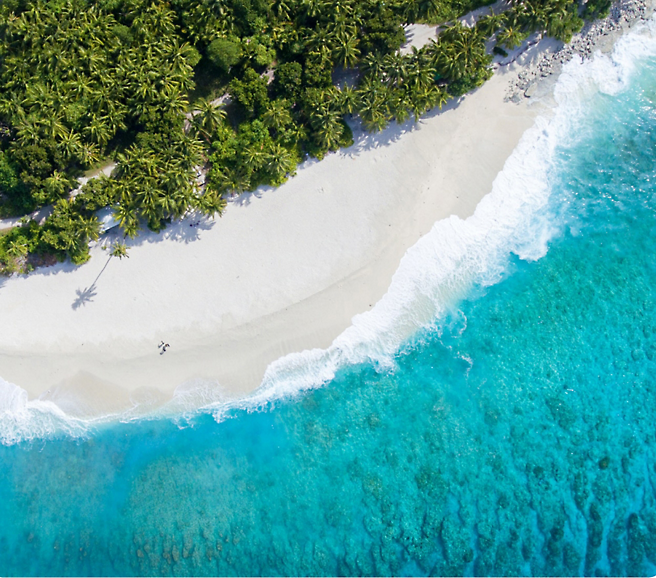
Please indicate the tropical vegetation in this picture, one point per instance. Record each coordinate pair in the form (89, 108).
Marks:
(196, 100)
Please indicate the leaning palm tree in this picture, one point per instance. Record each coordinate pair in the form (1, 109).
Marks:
(119, 249)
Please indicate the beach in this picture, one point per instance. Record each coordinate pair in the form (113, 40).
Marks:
(282, 270)
(432, 354)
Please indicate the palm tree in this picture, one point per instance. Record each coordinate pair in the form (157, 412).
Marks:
(489, 24)
(330, 131)
(277, 115)
(312, 7)
(511, 36)
(374, 109)
(174, 101)
(148, 198)
(57, 185)
(119, 249)
(395, 67)
(211, 202)
(399, 106)
(279, 162)
(88, 228)
(372, 65)
(345, 26)
(282, 9)
(17, 249)
(236, 180)
(253, 157)
(348, 100)
(28, 132)
(180, 56)
(208, 118)
(346, 52)
(98, 130)
(461, 51)
(419, 73)
(127, 219)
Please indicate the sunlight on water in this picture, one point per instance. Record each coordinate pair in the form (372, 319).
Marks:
(515, 436)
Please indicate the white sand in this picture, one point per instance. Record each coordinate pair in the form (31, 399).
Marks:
(283, 270)
(418, 35)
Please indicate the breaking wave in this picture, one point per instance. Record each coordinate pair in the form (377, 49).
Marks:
(515, 220)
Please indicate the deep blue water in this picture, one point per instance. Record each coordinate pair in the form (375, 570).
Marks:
(515, 436)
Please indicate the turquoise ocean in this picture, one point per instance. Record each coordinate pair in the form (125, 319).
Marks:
(494, 414)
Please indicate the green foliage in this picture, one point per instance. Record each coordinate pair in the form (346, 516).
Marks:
(596, 9)
(257, 51)
(15, 246)
(67, 232)
(156, 181)
(250, 157)
(95, 194)
(9, 181)
(123, 33)
(86, 81)
(119, 249)
(288, 80)
(224, 53)
(250, 93)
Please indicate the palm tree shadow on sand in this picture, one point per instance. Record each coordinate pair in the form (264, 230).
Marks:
(87, 294)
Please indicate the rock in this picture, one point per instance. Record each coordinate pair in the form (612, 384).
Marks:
(530, 91)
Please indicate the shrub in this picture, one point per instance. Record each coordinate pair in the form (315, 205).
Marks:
(250, 92)
(223, 53)
(288, 79)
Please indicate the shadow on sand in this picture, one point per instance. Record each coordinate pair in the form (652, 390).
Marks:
(362, 141)
(190, 228)
(87, 294)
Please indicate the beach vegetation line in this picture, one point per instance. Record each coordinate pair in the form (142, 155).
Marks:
(198, 100)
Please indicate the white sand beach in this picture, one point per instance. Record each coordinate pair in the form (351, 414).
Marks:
(283, 270)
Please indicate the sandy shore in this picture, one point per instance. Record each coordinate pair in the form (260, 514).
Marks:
(283, 270)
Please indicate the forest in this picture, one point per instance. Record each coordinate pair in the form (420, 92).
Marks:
(198, 100)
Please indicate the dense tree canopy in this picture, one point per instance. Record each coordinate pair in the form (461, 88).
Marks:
(85, 82)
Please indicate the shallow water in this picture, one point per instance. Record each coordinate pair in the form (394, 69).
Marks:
(514, 435)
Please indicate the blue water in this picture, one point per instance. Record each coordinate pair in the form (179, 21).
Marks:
(515, 436)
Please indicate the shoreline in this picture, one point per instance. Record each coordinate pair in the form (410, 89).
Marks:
(284, 270)
(537, 80)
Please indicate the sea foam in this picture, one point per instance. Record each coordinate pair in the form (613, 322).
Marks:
(515, 218)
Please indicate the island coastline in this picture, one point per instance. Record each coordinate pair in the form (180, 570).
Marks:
(351, 218)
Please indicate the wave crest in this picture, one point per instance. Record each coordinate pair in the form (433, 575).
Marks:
(515, 218)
